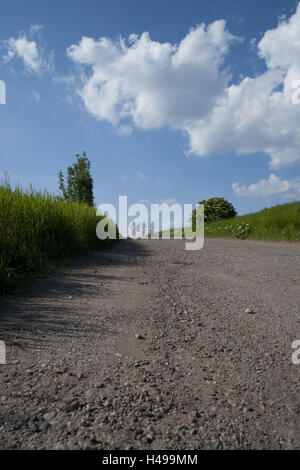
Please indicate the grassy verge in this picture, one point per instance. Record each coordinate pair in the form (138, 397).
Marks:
(280, 222)
(38, 230)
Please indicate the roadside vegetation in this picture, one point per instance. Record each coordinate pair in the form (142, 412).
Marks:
(38, 230)
(216, 208)
(281, 222)
(79, 182)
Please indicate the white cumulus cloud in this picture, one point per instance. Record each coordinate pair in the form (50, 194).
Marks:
(270, 187)
(186, 87)
(29, 52)
(258, 114)
(154, 84)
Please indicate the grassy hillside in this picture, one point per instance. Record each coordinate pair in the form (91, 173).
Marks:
(280, 222)
(38, 230)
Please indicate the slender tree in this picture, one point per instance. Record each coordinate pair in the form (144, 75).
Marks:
(79, 185)
(133, 229)
(152, 229)
(144, 227)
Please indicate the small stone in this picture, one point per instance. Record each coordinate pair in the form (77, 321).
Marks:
(139, 336)
(149, 437)
(249, 310)
(49, 415)
(71, 406)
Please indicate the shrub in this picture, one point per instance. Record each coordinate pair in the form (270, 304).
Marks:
(216, 208)
(241, 230)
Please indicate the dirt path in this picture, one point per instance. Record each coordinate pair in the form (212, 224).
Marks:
(205, 374)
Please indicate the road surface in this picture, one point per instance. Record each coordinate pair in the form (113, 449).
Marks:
(148, 346)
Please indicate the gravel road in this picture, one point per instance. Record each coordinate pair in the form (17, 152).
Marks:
(148, 346)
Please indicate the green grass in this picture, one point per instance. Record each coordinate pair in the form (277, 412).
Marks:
(38, 230)
(280, 222)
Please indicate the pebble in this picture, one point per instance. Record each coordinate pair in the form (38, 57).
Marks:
(139, 336)
(49, 415)
(71, 406)
(249, 310)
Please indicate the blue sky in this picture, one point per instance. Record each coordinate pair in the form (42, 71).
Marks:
(185, 113)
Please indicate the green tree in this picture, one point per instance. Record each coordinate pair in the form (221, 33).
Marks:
(79, 184)
(216, 208)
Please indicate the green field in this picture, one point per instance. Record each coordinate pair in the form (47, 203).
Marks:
(280, 222)
(38, 230)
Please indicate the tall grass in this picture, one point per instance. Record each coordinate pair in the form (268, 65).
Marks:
(38, 230)
(281, 222)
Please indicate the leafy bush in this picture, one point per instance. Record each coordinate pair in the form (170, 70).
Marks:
(241, 230)
(216, 208)
(37, 230)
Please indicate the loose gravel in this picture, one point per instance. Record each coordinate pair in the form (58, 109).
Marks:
(148, 346)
